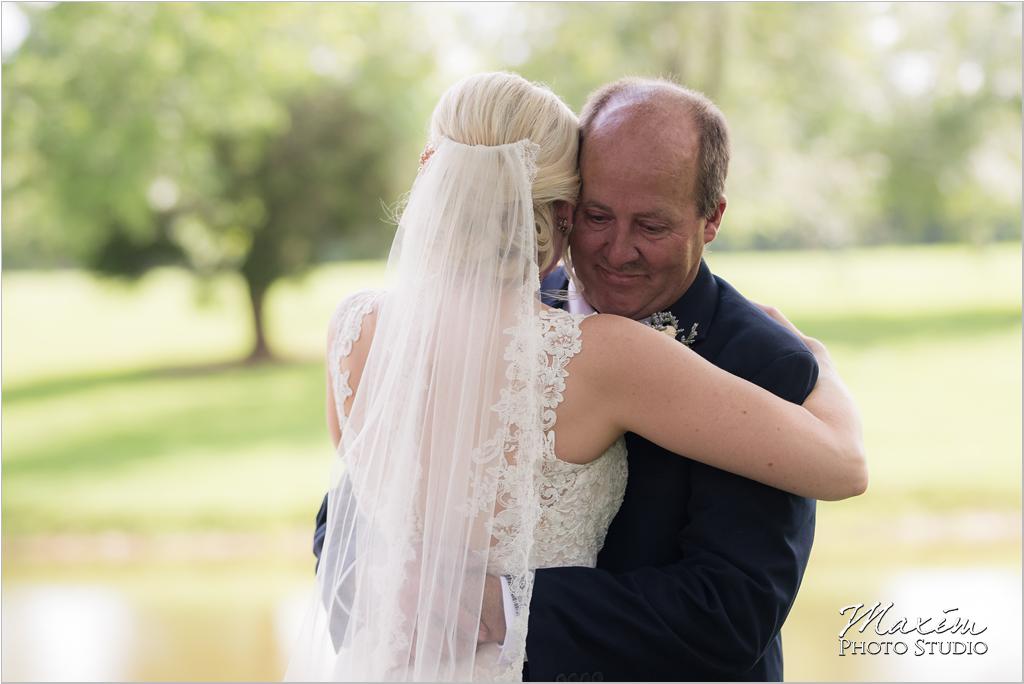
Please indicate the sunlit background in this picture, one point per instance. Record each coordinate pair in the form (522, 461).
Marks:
(189, 189)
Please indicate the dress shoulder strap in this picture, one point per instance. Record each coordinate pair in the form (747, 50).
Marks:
(346, 327)
(562, 341)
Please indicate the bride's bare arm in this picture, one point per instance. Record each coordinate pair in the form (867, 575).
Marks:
(655, 387)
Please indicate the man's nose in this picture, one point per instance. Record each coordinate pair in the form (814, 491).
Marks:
(620, 250)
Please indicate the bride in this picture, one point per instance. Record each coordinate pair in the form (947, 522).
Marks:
(479, 432)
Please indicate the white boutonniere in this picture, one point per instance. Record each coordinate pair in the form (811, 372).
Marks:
(665, 322)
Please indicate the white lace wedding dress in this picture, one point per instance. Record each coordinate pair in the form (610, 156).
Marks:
(578, 501)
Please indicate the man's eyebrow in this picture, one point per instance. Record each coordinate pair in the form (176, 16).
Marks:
(591, 204)
(659, 214)
(656, 214)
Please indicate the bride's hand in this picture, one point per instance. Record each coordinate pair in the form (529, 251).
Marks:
(815, 345)
(492, 614)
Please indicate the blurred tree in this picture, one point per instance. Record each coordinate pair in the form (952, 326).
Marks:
(254, 139)
(290, 197)
(953, 139)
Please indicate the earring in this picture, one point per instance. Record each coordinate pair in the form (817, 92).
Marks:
(563, 225)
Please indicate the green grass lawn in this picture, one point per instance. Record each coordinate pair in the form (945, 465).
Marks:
(123, 411)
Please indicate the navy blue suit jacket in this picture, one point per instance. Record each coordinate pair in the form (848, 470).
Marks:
(700, 567)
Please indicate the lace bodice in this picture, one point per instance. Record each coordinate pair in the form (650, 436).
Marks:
(578, 501)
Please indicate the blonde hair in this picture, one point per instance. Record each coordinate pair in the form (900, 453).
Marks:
(500, 108)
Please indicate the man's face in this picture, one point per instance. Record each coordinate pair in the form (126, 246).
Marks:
(637, 240)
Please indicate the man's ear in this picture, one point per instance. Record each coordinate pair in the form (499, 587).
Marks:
(712, 224)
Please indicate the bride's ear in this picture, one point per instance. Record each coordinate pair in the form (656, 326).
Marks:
(564, 212)
(563, 215)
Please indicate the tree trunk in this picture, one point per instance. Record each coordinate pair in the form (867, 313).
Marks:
(260, 350)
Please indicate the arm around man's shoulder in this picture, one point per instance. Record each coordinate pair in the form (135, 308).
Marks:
(716, 612)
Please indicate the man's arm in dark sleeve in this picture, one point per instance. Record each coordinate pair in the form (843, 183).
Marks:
(321, 530)
(710, 615)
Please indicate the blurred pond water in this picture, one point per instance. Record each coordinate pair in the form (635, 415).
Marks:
(236, 619)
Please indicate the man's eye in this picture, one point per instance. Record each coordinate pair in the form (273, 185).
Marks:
(649, 228)
(597, 218)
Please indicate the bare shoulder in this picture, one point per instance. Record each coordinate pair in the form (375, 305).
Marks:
(613, 335)
(612, 326)
(616, 373)
(614, 347)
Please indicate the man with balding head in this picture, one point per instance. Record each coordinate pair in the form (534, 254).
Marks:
(700, 567)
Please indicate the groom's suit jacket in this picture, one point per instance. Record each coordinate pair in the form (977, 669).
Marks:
(700, 567)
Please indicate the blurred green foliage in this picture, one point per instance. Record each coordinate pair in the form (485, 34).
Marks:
(254, 140)
(262, 139)
(852, 123)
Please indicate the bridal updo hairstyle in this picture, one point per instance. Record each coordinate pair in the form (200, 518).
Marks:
(501, 108)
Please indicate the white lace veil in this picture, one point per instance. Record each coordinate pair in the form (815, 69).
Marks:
(435, 480)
